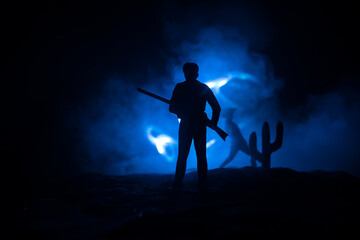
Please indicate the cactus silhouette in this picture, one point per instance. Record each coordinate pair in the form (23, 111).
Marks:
(267, 147)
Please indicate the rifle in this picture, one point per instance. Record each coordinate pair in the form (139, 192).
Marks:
(218, 130)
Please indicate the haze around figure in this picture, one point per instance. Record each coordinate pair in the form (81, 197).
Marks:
(240, 78)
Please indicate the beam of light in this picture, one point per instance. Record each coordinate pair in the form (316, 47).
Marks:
(244, 76)
(163, 143)
(217, 83)
(209, 143)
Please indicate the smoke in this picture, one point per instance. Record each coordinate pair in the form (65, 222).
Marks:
(329, 138)
(114, 125)
(115, 121)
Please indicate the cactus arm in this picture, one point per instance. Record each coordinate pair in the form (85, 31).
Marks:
(279, 137)
(254, 152)
(266, 138)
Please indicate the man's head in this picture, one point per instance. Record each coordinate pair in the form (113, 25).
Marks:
(191, 71)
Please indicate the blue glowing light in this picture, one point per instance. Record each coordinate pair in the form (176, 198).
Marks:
(215, 85)
(163, 143)
(244, 76)
(210, 143)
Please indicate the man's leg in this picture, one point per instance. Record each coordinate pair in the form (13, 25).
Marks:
(200, 147)
(185, 139)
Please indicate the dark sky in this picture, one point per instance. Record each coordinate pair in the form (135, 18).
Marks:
(315, 45)
(55, 52)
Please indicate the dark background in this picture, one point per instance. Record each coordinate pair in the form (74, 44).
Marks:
(55, 52)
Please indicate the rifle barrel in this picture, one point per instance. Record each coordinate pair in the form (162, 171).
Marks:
(153, 95)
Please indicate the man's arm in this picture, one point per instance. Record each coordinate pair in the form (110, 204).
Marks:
(173, 106)
(214, 106)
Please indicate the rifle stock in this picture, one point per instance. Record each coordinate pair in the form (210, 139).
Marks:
(218, 130)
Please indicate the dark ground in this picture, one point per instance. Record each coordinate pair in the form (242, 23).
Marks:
(243, 203)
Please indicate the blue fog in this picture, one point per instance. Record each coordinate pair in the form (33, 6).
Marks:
(116, 123)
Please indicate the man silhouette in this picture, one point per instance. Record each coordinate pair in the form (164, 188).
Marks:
(237, 140)
(188, 103)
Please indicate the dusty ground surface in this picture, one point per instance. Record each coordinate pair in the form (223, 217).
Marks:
(243, 203)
